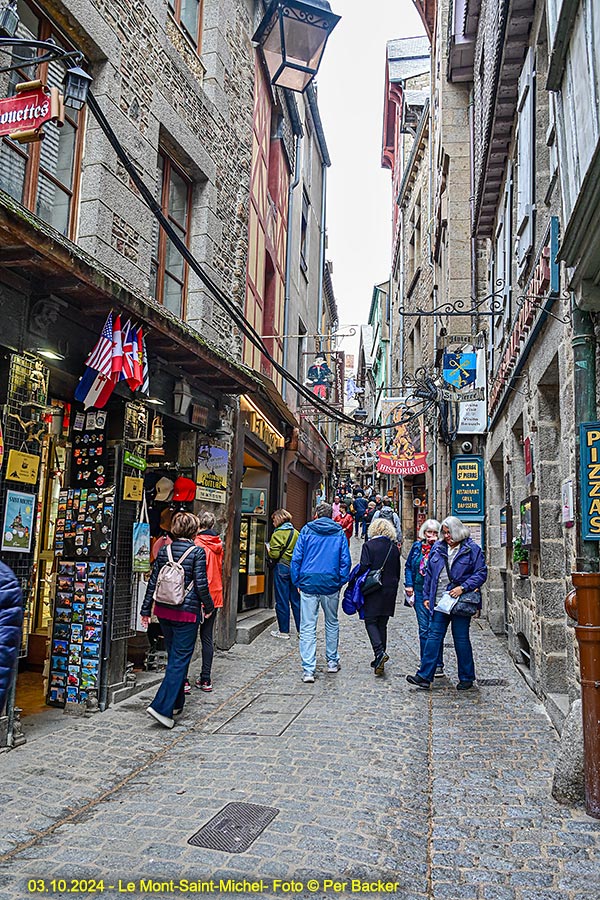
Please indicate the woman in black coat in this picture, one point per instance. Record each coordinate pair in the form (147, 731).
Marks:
(380, 550)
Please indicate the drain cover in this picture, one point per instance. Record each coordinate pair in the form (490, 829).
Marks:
(491, 682)
(234, 828)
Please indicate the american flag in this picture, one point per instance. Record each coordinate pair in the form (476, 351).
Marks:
(100, 359)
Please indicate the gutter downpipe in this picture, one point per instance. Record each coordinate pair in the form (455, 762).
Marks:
(431, 143)
(288, 254)
(584, 360)
(322, 249)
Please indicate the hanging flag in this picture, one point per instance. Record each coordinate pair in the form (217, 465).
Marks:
(100, 358)
(145, 372)
(137, 360)
(128, 345)
(117, 351)
(95, 385)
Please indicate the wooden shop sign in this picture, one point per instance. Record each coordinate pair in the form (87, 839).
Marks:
(22, 116)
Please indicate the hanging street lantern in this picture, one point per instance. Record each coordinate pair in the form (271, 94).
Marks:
(77, 85)
(292, 37)
(9, 19)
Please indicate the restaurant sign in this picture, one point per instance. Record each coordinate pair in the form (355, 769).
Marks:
(23, 115)
(467, 487)
(589, 443)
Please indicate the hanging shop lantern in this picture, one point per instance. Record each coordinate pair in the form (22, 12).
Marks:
(77, 86)
(157, 437)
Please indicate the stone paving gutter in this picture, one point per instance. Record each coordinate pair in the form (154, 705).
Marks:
(441, 794)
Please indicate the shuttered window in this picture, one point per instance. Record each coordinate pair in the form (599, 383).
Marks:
(297, 500)
(526, 161)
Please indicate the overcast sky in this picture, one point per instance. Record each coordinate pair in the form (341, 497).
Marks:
(350, 88)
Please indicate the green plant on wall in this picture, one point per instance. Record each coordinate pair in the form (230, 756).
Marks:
(520, 553)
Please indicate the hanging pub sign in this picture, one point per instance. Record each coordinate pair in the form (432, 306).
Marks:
(23, 116)
(22, 467)
(467, 487)
(460, 369)
(406, 454)
(589, 449)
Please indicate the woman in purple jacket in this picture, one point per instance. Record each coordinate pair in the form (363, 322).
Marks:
(456, 564)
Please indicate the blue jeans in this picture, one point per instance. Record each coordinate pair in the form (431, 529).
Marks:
(462, 644)
(286, 595)
(309, 614)
(358, 524)
(180, 640)
(424, 623)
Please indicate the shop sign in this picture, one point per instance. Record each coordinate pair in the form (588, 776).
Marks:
(22, 467)
(568, 506)
(459, 369)
(136, 462)
(133, 488)
(528, 454)
(18, 522)
(388, 464)
(589, 443)
(467, 487)
(407, 454)
(530, 522)
(26, 111)
(472, 411)
(506, 526)
(339, 363)
(254, 501)
(263, 429)
(477, 532)
(211, 474)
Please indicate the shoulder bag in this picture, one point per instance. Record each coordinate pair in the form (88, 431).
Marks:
(374, 580)
(467, 604)
(273, 560)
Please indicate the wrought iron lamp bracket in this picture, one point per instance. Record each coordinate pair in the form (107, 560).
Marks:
(460, 307)
(538, 301)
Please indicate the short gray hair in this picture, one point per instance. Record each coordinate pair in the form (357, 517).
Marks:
(428, 525)
(382, 528)
(323, 511)
(206, 520)
(458, 530)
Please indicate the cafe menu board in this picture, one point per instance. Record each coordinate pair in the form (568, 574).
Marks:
(84, 522)
(88, 461)
(76, 631)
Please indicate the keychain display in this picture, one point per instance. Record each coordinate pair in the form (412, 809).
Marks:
(84, 522)
(88, 462)
(77, 631)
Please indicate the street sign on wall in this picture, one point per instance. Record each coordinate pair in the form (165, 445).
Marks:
(468, 487)
(589, 450)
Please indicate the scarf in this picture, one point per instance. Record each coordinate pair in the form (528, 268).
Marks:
(425, 551)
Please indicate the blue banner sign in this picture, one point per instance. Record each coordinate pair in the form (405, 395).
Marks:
(589, 449)
(468, 487)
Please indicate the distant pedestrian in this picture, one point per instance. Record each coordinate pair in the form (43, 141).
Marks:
(346, 520)
(11, 622)
(360, 508)
(210, 541)
(414, 575)
(179, 622)
(378, 501)
(281, 548)
(335, 506)
(320, 567)
(368, 518)
(386, 512)
(456, 564)
(380, 552)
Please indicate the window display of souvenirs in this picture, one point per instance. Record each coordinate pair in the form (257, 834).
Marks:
(84, 522)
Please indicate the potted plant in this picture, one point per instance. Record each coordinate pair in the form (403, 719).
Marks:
(521, 556)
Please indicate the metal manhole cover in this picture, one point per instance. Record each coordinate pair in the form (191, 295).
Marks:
(234, 828)
(492, 682)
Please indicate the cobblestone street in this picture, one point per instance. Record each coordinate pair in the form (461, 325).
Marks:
(422, 795)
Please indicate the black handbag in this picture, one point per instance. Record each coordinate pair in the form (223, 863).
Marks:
(468, 602)
(272, 561)
(374, 580)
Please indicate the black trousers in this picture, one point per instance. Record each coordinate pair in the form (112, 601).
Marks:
(208, 648)
(377, 630)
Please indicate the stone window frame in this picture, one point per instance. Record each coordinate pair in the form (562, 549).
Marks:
(31, 154)
(174, 7)
(159, 250)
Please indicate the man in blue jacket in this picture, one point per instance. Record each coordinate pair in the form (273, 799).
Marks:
(320, 567)
(360, 508)
(11, 621)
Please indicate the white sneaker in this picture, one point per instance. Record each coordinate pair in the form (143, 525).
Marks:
(280, 634)
(308, 678)
(333, 667)
(164, 720)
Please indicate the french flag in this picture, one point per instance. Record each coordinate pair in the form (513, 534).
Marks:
(95, 385)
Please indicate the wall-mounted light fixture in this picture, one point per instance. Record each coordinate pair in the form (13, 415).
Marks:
(182, 398)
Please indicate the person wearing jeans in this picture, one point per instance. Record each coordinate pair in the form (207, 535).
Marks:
(280, 550)
(208, 538)
(414, 576)
(380, 553)
(320, 567)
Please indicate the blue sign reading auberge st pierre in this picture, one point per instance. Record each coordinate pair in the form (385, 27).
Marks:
(467, 488)
(589, 450)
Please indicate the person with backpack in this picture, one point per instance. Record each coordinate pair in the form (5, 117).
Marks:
(178, 587)
(211, 543)
(280, 550)
(360, 508)
(368, 518)
(386, 512)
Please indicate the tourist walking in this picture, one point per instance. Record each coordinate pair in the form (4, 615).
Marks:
(210, 541)
(386, 512)
(380, 552)
(11, 622)
(345, 520)
(456, 565)
(368, 518)
(360, 508)
(280, 550)
(320, 567)
(179, 619)
(414, 574)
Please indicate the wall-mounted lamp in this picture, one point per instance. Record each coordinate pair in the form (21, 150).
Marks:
(77, 87)
(49, 353)
(155, 401)
(9, 19)
(182, 398)
(292, 38)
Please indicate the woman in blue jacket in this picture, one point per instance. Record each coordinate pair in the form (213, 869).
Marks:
(11, 621)
(414, 575)
(457, 554)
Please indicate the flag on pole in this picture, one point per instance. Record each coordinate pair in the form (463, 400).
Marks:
(145, 372)
(117, 351)
(100, 358)
(127, 369)
(136, 379)
(95, 385)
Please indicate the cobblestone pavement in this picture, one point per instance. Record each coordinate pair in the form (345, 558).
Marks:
(409, 793)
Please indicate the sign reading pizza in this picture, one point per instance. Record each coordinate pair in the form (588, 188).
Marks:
(22, 116)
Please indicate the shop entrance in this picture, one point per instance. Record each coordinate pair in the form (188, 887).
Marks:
(256, 503)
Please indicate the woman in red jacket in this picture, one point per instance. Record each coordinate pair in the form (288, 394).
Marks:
(346, 520)
(209, 540)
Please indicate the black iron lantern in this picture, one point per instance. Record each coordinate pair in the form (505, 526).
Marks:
(292, 37)
(77, 85)
(9, 19)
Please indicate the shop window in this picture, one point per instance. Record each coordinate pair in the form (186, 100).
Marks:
(188, 15)
(43, 176)
(169, 269)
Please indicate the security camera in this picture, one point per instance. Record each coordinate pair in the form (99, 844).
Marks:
(466, 447)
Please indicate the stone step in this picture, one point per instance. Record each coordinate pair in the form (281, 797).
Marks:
(252, 623)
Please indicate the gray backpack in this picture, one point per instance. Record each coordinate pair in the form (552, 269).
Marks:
(170, 584)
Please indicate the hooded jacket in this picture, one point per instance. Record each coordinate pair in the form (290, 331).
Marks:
(279, 548)
(468, 569)
(386, 512)
(11, 620)
(212, 545)
(194, 567)
(321, 560)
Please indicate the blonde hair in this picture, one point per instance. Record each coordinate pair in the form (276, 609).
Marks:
(184, 525)
(382, 528)
(428, 525)
(280, 516)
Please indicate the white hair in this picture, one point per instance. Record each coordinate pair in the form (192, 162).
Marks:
(382, 528)
(428, 525)
(458, 530)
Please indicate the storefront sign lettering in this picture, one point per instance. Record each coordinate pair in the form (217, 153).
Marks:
(467, 486)
(211, 475)
(388, 464)
(22, 467)
(136, 462)
(589, 438)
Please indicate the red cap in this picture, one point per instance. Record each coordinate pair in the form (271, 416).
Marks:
(184, 490)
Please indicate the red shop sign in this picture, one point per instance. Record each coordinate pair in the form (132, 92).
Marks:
(26, 111)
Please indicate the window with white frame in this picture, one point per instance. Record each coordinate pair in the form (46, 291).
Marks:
(526, 161)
